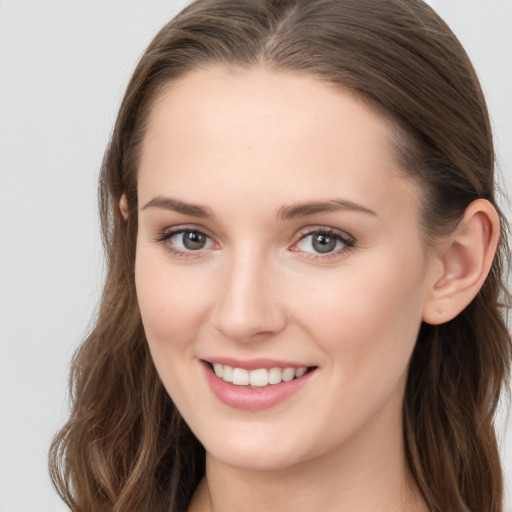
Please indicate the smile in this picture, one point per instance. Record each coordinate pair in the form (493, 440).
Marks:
(260, 385)
(259, 377)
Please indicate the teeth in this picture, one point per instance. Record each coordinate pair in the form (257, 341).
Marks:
(240, 377)
(300, 372)
(257, 378)
(227, 374)
(288, 374)
(218, 369)
(274, 376)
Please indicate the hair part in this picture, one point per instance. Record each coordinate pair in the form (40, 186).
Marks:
(125, 446)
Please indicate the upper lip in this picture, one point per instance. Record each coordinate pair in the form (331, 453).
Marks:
(254, 364)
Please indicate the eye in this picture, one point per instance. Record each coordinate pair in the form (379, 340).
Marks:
(185, 241)
(324, 242)
(189, 240)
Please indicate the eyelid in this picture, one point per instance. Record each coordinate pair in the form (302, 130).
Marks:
(164, 236)
(167, 232)
(347, 240)
(308, 230)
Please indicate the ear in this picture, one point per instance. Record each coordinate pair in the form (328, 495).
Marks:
(466, 257)
(123, 207)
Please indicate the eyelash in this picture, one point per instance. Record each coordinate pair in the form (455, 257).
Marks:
(165, 236)
(347, 241)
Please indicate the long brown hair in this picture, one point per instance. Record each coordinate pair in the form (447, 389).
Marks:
(125, 446)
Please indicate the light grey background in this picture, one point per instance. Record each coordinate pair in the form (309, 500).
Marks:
(63, 68)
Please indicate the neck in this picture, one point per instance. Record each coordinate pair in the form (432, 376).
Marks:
(367, 473)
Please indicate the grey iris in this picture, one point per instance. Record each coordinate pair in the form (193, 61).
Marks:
(193, 240)
(323, 243)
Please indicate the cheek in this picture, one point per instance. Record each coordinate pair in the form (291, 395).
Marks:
(367, 327)
(172, 310)
(171, 303)
(370, 316)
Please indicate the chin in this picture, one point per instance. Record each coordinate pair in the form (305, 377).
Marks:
(260, 453)
(255, 460)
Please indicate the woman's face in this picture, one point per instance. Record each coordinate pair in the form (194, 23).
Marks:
(276, 236)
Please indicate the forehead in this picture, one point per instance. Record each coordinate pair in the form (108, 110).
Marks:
(272, 133)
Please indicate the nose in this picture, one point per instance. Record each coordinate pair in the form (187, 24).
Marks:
(249, 304)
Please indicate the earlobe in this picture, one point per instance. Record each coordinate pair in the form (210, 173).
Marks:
(466, 258)
(123, 207)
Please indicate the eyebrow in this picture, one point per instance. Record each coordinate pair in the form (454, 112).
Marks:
(168, 203)
(293, 211)
(298, 210)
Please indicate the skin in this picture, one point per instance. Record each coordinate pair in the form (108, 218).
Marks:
(245, 145)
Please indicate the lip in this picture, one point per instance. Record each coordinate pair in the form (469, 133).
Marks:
(255, 364)
(254, 399)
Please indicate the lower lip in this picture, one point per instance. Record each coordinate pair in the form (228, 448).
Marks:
(253, 399)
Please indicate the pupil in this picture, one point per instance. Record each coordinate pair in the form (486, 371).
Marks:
(324, 243)
(193, 240)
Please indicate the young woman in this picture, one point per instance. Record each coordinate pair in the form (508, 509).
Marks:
(303, 306)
